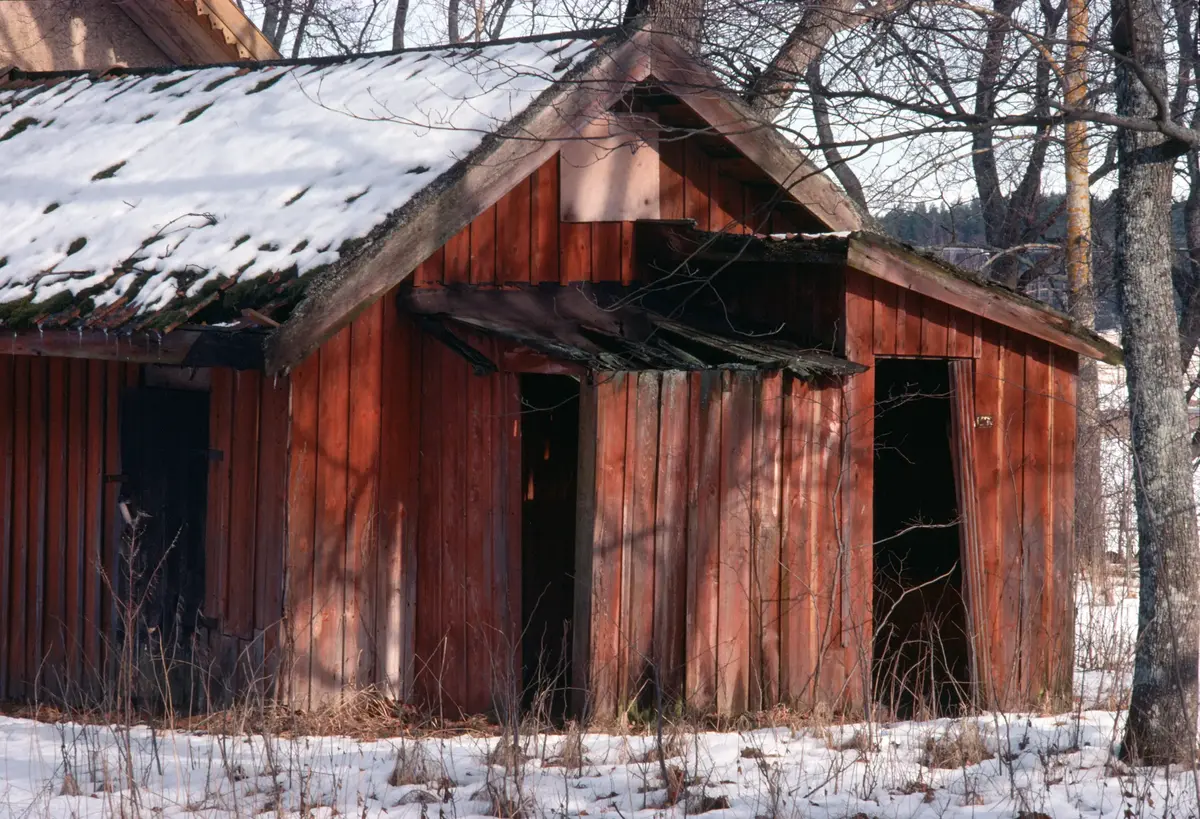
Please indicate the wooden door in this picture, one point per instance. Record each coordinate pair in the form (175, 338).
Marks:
(962, 447)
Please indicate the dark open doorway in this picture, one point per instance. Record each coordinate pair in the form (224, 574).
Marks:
(164, 459)
(549, 461)
(921, 648)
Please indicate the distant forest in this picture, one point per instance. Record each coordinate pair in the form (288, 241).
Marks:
(961, 226)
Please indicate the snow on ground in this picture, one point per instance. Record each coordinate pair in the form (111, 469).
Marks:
(1060, 766)
(995, 765)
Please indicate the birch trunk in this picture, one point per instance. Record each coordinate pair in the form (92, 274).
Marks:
(1089, 490)
(1162, 710)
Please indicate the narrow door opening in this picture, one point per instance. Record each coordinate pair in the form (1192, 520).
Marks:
(549, 461)
(921, 650)
(164, 460)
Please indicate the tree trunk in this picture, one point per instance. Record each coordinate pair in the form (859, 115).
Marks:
(452, 30)
(399, 24)
(302, 27)
(828, 141)
(1089, 489)
(1162, 709)
(819, 23)
(682, 18)
(276, 15)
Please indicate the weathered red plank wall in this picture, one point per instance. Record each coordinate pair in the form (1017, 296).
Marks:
(1024, 464)
(715, 544)
(520, 239)
(244, 527)
(59, 526)
(386, 421)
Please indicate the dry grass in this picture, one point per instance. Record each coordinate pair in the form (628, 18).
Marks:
(962, 745)
(570, 753)
(859, 741)
(414, 766)
(500, 803)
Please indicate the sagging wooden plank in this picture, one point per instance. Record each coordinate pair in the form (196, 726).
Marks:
(1013, 605)
(75, 562)
(452, 416)
(303, 456)
(362, 509)
(54, 632)
(1037, 581)
(482, 621)
(962, 440)
(638, 537)
(1059, 663)
(670, 535)
(94, 589)
(703, 541)
(329, 540)
(35, 578)
(766, 544)
(243, 458)
(612, 390)
(733, 616)
(428, 648)
(17, 590)
(270, 526)
(398, 470)
(989, 474)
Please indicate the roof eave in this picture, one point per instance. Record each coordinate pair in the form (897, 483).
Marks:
(430, 220)
(887, 260)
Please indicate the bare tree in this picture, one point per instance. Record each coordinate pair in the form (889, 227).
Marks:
(1162, 711)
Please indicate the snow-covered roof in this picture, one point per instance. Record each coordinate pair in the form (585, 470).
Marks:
(139, 199)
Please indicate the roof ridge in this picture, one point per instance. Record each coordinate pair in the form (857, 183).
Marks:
(333, 59)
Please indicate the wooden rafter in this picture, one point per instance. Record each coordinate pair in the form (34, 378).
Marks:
(196, 32)
(666, 243)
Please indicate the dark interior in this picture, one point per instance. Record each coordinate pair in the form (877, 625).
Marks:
(164, 458)
(921, 660)
(549, 459)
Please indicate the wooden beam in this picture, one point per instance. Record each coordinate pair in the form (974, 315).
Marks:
(450, 203)
(910, 271)
(185, 347)
(177, 31)
(759, 141)
(676, 241)
(233, 20)
(141, 348)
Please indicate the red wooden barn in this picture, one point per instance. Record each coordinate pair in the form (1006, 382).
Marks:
(532, 365)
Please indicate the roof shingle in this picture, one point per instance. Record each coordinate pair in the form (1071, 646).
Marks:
(138, 199)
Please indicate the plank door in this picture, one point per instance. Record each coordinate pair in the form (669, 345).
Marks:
(962, 447)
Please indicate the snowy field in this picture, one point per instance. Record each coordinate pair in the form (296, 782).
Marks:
(991, 766)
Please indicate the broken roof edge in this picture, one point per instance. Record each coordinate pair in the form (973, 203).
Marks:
(429, 220)
(627, 55)
(893, 261)
(938, 279)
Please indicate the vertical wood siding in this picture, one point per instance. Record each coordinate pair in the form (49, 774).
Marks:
(385, 421)
(59, 524)
(244, 525)
(713, 551)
